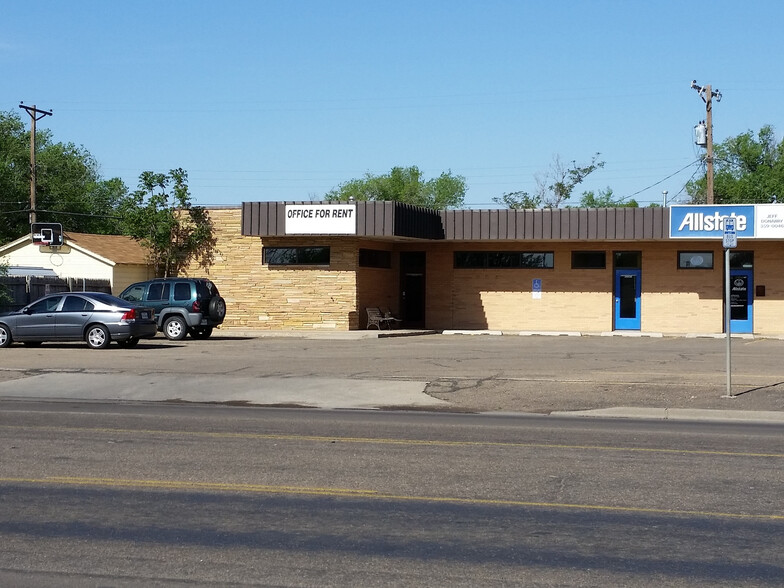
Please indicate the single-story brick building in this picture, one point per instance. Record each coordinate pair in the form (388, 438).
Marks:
(312, 265)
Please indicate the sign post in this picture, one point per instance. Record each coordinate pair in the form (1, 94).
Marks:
(729, 241)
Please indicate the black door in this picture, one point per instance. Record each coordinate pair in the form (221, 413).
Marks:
(412, 289)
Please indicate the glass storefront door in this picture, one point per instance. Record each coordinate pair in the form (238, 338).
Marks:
(627, 290)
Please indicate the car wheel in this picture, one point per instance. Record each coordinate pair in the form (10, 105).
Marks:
(217, 308)
(132, 342)
(97, 337)
(5, 336)
(202, 333)
(175, 329)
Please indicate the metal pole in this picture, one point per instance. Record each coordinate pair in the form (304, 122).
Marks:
(664, 198)
(709, 154)
(728, 321)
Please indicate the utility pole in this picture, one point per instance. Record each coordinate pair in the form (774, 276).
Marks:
(35, 115)
(707, 94)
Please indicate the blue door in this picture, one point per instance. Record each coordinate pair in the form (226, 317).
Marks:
(741, 301)
(627, 299)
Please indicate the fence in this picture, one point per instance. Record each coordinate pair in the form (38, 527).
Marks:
(25, 289)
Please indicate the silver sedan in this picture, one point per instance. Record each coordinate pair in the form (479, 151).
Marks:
(94, 317)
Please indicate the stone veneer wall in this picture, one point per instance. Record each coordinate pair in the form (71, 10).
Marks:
(280, 298)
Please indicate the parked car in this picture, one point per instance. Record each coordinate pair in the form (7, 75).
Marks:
(94, 317)
(182, 305)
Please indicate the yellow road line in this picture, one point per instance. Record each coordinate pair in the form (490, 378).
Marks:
(387, 441)
(372, 494)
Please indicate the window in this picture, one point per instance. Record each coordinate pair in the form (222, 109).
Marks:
(135, 294)
(296, 255)
(375, 258)
(45, 305)
(741, 259)
(695, 260)
(628, 260)
(538, 260)
(589, 260)
(160, 292)
(503, 259)
(77, 304)
(182, 291)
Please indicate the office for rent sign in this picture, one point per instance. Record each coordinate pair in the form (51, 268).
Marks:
(321, 219)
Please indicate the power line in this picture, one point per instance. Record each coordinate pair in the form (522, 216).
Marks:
(662, 180)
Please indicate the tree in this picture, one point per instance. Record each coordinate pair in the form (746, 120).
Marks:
(554, 187)
(5, 297)
(69, 188)
(605, 199)
(519, 200)
(161, 217)
(747, 169)
(404, 185)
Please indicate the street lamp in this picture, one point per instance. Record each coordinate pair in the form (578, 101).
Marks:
(664, 198)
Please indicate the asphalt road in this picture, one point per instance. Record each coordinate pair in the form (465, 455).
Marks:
(108, 494)
(462, 373)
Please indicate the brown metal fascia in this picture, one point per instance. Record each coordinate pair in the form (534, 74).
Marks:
(393, 220)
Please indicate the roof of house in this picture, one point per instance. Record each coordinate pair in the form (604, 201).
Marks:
(117, 248)
(20, 271)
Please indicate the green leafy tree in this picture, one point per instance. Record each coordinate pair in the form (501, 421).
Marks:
(5, 296)
(519, 200)
(404, 184)
(605, 199)
(747, 169)
(69, 188)
(554, 187)
(162, 218)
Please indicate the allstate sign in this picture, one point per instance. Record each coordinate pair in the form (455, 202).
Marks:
(706, 221)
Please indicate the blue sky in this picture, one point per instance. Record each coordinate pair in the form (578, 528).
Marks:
(284, 100)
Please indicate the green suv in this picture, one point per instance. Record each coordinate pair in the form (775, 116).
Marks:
(182, 305)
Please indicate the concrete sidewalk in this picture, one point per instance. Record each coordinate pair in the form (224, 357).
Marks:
(666, 378)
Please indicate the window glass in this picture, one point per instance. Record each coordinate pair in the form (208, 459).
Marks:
(314, 255)
(76, 304)
(156, 292)
(503, 259)
(537, 260)
(206, 289)
(296, 255)
(589, 260)
(695, 260)
(182, 291)
(469, 259)
(375, 258)
(741, 259)
(135, 294)
(45, 305)
(628, 259)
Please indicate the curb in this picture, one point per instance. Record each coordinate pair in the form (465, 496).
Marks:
(679, 414)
